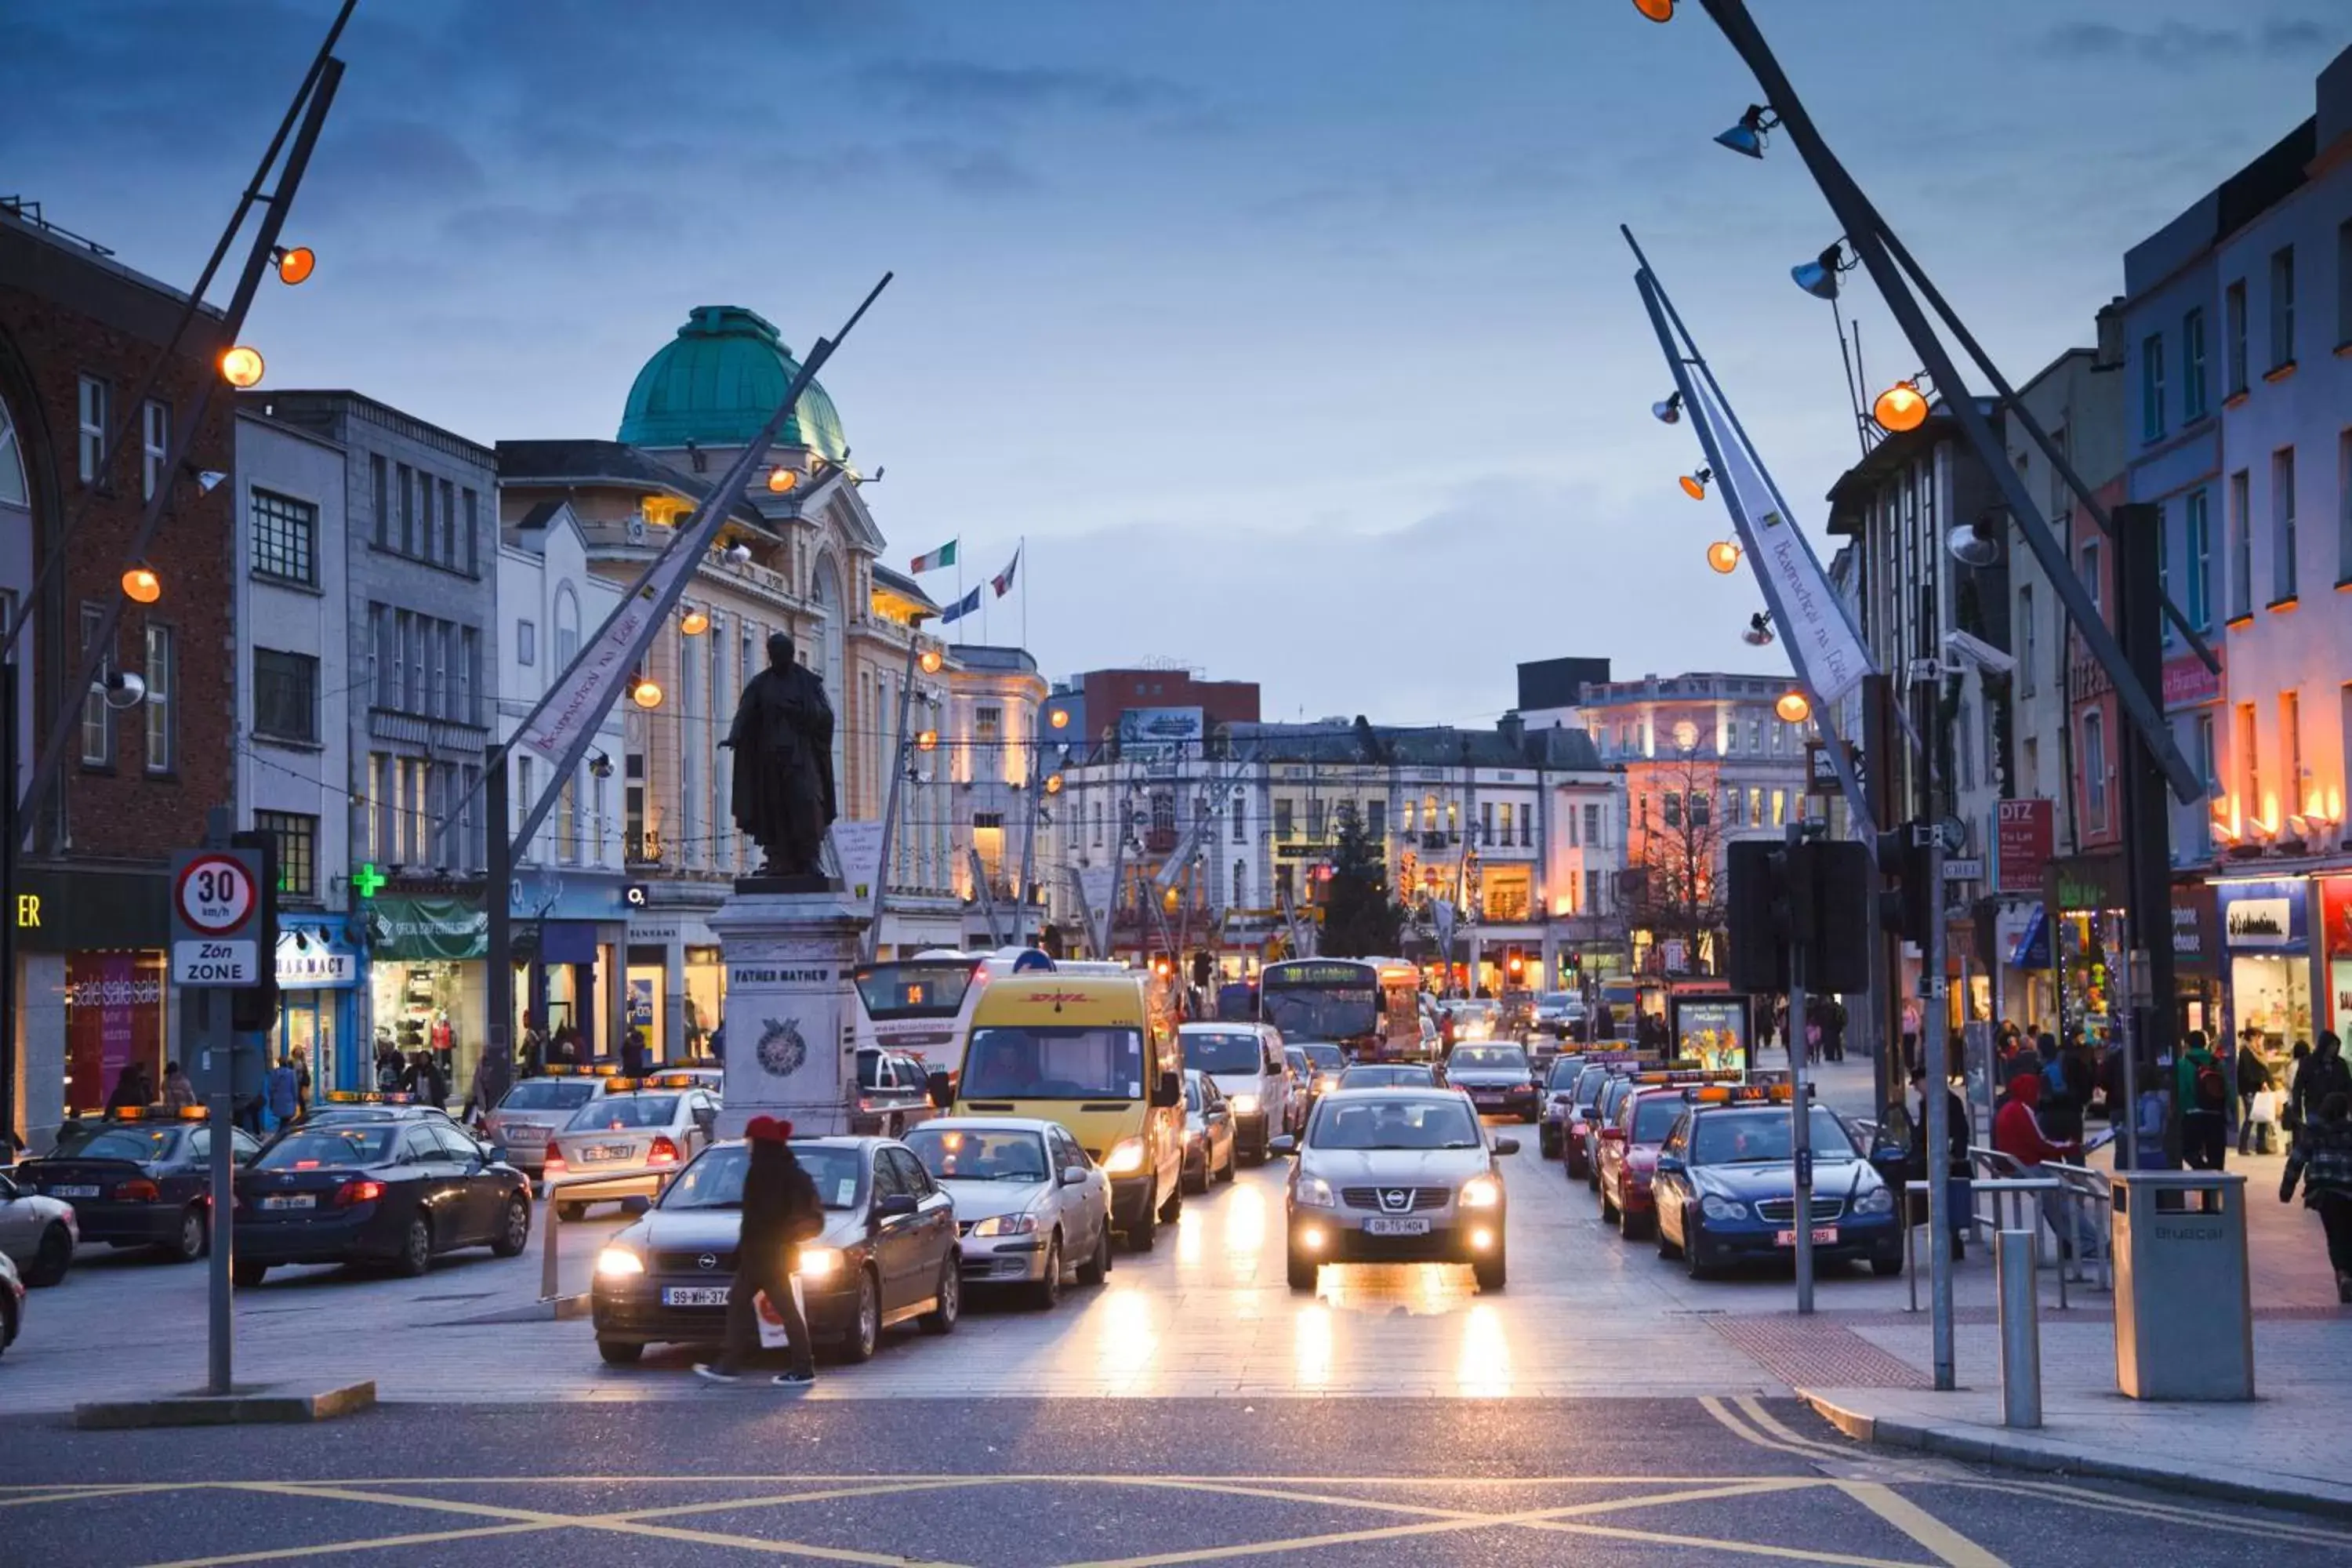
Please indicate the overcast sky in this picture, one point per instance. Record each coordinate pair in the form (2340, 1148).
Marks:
(1295, 336)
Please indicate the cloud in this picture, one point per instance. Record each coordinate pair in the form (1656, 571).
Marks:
(2175, 44)
(965, 89)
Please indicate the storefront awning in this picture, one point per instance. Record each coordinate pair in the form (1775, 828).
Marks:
(450, 929)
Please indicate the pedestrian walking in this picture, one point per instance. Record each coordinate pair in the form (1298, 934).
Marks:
(633, 1054)
(1955, 1163)
(1834, 1030)
(389, 1069)
(781, 1213)
(423, 1079)
(281, 1091)
(2253, 1083)
(132, 1089)
(178, 1092)
(2323, 1075)
(2200, 1092)
(302, 1080)
(493, 1077)
(2060, 1112)
(2322, 1161)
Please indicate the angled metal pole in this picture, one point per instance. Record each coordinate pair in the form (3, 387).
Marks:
(1864, 231)
(902, 758)
(94, 659)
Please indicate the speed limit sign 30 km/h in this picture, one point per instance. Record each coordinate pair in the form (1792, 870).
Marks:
(215, 895)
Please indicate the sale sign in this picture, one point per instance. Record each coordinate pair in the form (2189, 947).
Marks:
(2024, 832)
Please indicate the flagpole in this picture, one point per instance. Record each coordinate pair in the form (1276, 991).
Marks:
(1017, 555)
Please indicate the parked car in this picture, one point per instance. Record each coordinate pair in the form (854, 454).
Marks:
(1030, 1206)
(1392, 1175)
(1727, 1179)
(1604, 1114)
(1559, 1104)
(399, 1191)
(535, 1110)
(1629, 1156)
(888, 1254)
(631, 1140)
(12, 1303)
(1211, 1147)
(139, 1182)
(1247, 1061)
(38, 1232)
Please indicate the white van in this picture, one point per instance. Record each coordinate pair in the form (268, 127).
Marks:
(1246, 1060)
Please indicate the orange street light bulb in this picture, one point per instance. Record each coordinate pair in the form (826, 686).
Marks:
(1723, 555)
(1695, 485)
(926, 741)
(695, 622)
(142, 586)
(1657, 10)
(647, 692)
(930, 660)
(1899, 408)
(1053, 783)
(241, 367)
(1059, 719)
(1792, 707)
(295, 263)
(781, 478)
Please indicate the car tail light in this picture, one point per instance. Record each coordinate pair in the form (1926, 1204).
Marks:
(358, 1192)
(554, 1160)
(137, 1193)
(664, 1152)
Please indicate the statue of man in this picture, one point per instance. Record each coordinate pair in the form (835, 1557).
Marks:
(782, 741)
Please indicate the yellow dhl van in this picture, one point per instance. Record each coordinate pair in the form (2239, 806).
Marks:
(1097, 1053)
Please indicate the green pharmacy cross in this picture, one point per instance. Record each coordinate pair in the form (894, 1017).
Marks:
(368, 881)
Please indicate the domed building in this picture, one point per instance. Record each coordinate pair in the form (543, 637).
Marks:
(716, 383)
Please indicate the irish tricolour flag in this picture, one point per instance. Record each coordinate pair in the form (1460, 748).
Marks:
(945, 555)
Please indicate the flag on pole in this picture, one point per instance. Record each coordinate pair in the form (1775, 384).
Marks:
(945, 555)
(1002, 581)
(968, 605)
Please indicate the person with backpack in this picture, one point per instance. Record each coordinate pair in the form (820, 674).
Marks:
(2201, 1098)
(2061, 1113)
(781, 1213)
(2322, 1160)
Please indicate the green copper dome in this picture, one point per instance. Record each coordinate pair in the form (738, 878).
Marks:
(717, 382)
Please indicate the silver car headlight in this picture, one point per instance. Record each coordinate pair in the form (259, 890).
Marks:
(1006, 1225)
(1244, 1105)
(1315, 1193)
(1878, 1200)
(1722, 1209)
(1481, 1193)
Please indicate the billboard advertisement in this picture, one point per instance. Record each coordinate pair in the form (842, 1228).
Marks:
(1168, 732)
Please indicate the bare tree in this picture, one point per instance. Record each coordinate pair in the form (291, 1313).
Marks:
(1675, 851)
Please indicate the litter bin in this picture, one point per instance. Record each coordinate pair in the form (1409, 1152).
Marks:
(2184, 1310)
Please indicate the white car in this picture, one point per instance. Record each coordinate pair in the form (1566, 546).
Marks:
(535, 1109)
(1560, 1014)
(39, 1234)
(636, 1138)
(12, 1303)
(1031, 1208)
(1396, 1175)
(1247, 1061)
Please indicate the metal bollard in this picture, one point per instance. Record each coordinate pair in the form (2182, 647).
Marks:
(2020, 1328)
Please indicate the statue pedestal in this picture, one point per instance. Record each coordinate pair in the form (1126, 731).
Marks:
(790, 1012)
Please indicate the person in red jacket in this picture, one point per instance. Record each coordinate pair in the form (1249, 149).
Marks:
(2017, 1133)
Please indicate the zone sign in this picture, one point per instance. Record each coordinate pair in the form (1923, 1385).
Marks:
(214, 894)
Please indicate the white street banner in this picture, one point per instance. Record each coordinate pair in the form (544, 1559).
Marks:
(1812, 624)
(857, 855)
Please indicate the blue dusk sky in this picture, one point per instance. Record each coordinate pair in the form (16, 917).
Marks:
(1295, 336)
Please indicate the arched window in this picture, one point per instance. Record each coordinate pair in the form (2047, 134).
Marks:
(14, 491)
(567, 627)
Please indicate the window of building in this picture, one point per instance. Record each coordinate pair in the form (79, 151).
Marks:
(1592, 892)
(2233, 306)
(1526, 827)
(2197, 555)
(381, 489)
(2094, 770)
(2090, 582)
(567, 627)
(1282, 820)
(473, 531)
(2291, 750)
(1486, 822)
(1593, 825)
(96, 718)
(2282, 524)
(156, 708)
(2151, 387)
(1669, 807)
(467, 676)
(14, 490)
(155, 445)
(2028, 665)
(1286, 884)
(1779, 808)
(2242, 546)
(91, 436)
(567, 821)
(285, 538)
(988, 725)
(2193, 366)
(407, 510)
(286, 696)
(1241, 825)
(298, 850)
(526, 642)
(2029, 768)
(2203, 739)
(450, 556)
(2282, 308)
(2250, 801)
(1376, 820)
(1314, 821)
(1731, 813)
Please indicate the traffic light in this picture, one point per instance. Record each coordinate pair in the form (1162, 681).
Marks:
(253, 1009)
(1202, 969)
(1515, 963)
(1756, 915)
(1909, 904)
(1814, 894)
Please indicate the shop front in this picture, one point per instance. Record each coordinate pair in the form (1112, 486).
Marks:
(2196, 959)
(677, 984)
(2092, 939)
(318, 1002)
(2266, 937)
(569, 947)
(2335, 941)
(427, 980)
(93, 999)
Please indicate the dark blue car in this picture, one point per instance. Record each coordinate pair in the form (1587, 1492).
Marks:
(1726, 1187)
(138, 1179)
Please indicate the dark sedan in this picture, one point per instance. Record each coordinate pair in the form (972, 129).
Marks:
(139, 1182)
(1499, 1080)
(888, 1253)
(398, 1189)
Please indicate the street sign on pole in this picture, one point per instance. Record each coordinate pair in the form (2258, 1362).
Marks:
(216, 894)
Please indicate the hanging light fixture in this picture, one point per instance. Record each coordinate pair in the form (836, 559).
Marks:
(694, 621)
(1819, 277)
(929, 660)
(241, 367)
(927, 740)
(1973, 545)
(1059, 718)
(1657, 10)
(141, 585)
(1759, 630)
(1793, 707)
(1751, 136)
(1695, 485)
(1670, 411)
(1724, 556)
(1900, 408)
(644, 691)
(294, 263)
(1053, 783)
(781, 478)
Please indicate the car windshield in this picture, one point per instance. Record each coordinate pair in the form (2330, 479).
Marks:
(1220, 1052)
(1322, 1011)
(1041, 1062)
(716, 1180)
(1653, 1117)
(619, 1110)
(1191, 1094)
(1394, 1124)
(549, 1094)
(1589, 1085)
(1493, 1058)
(1565, 1074)
(980, 1154)
(1388, 1077)
(1613, 1096)
(314, 1148)
(1762, 1135)
(1324, 1057)
(137, 1144)
(1558, 999)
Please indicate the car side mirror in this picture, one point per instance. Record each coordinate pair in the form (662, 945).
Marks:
(897, 1205)
(941, 1089)
(1073, 1175)
(1284, 1144)
(498, 1154)
(1507, 1145)
(1170, 1092)
(1670, 1165)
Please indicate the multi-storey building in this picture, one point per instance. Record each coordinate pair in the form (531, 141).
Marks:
(78, 331)
(999, 751)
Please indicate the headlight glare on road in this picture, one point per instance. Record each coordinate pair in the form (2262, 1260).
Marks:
(1481, 1193)
(1878, 1200)
(619, 1263)
(1126, 1157)
(1245, 1105)
(1722, 1208)
(816, 1262)
(1315, 1193)
(1006, 1225)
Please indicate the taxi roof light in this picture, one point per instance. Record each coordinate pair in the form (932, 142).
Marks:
(625, 1085)
(132, 1113)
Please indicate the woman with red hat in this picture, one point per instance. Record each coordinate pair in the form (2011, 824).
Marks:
(781, 1211)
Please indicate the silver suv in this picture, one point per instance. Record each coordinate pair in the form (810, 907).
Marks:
(1395, 1175)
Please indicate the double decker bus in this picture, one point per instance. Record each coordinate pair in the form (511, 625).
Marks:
(1369, 1007)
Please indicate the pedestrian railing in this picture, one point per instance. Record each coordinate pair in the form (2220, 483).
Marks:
(578, 1188)
(2022, 1195)
(2089, 1209)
